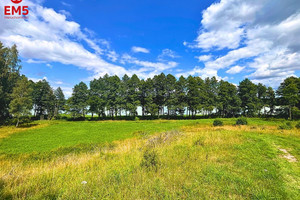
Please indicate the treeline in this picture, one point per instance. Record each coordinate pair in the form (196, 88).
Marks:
(110, 96)
(168, 96)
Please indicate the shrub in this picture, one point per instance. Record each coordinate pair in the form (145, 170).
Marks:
(150, 160)
(136, 119)
(286, 126)
(218, 122)
(241, 121)
(298, 125)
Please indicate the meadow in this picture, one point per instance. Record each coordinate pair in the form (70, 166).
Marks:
(155, 159)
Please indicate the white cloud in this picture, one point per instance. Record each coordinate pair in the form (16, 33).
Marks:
(136, 49)
(167, 53)
(204, 58)
(112, 55)
(47, 36)
(59, 82)
(148, 69)
(235, 70)
(260, 34)
(161, 66)
(48, 65)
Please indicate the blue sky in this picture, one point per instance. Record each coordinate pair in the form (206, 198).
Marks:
(71, 41)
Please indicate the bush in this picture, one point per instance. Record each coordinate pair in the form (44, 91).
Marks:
(241, 121)
(150, 160)
(136, 119)
(298, 125)
(286, 126)
(218, 122)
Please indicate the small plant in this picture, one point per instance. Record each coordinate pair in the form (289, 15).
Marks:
(218, 122)
(136, 119)
(286, 126)
(297, 125)
(150, 160)
(199, 142)
(241, 121)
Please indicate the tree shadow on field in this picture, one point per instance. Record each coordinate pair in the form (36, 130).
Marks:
(4, 195)
(27, 125)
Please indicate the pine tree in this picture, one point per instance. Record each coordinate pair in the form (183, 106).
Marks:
(60, 101)
(79, 101)
(9, 75)
(228, 100)
(289, 92)
(180, 94)
(21, 103)
(170, 94)
(248, 95)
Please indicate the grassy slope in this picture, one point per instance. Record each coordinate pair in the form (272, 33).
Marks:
(201, 162)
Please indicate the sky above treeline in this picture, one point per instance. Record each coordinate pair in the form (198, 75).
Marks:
(67, 42)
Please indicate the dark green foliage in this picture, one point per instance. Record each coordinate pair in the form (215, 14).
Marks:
(289, 93)
(297, 125)
(270, 100)
(60, 101)
(217, 122)
(9, 75)
(180, 94)
(77, 104)
(249, 97)
(241, 121)
(150, 160)
(286, 126)
(44, 99)
(228, 100)
(21, 103)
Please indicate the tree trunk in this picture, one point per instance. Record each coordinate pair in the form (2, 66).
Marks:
(18, 122)
(143, 111)
(290, 112)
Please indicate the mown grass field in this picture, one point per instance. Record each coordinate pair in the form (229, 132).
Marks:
(183, 159)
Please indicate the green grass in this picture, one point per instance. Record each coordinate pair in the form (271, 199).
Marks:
(61, 134)
(66, 134)
(198, 161)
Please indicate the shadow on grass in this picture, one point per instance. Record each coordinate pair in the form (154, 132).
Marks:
(4, 195)
(27, 125)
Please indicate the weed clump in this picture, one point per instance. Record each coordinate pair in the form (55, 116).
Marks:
(150, 160)
(218, 122)
(163, 138)
(286, 126)
(241, 121)
(199, 142)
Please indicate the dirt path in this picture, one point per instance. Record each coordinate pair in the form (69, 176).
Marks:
(288, 156)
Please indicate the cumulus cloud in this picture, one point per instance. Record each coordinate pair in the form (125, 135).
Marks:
(262, 34)
(47, 36)
(139, 50)
(235, 70)
(204, 58)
